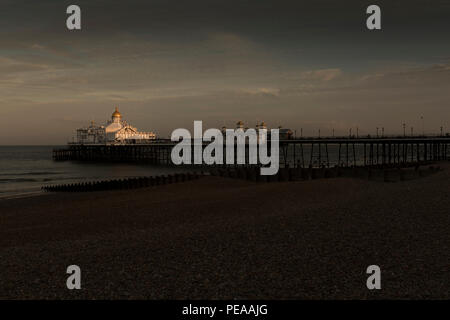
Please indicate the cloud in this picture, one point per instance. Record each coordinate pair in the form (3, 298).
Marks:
(421, 77)
(10, 66)
(322, 74)
(269, 92)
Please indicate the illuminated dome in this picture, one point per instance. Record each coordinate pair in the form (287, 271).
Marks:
(116, 114)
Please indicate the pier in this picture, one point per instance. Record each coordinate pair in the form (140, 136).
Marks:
(296, 152)
(363, 151)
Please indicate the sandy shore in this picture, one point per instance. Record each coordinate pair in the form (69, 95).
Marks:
(222, 238)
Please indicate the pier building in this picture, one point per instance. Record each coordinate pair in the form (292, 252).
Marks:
(115, 131)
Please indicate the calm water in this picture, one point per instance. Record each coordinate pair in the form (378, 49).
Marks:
(24, 169)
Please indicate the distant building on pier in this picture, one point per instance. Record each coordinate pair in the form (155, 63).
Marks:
(284, 134)
(115, 131)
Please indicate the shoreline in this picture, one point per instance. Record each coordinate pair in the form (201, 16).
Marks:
(22, 195)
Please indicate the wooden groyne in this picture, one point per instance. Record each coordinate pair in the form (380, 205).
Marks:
(252, 173)
(123, 184)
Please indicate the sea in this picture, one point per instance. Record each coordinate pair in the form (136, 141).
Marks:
(25, 169)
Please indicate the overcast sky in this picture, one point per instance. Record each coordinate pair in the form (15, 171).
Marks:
(166, 63)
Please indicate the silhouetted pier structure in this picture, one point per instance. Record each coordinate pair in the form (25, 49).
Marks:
(363, 151)
(298, 152)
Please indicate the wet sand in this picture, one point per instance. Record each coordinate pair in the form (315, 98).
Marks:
(218, 238)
